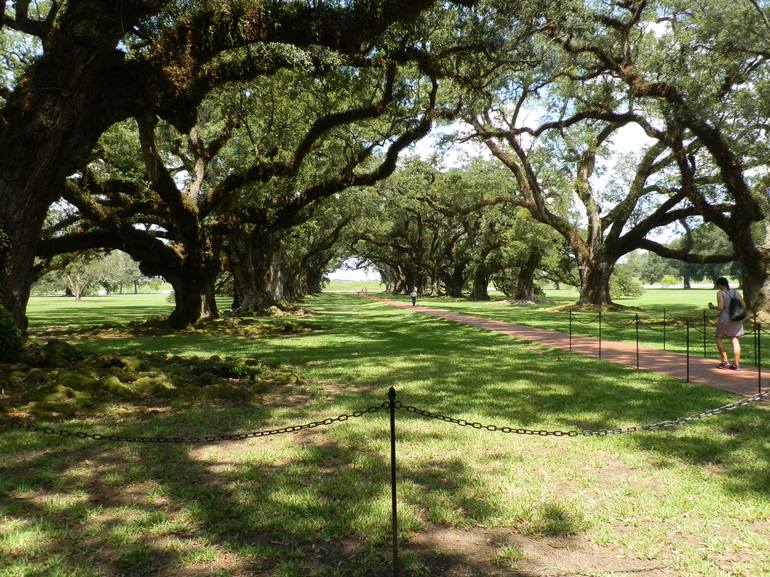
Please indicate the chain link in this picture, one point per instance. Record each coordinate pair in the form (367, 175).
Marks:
(585, 322)
(31, 427)
(584, 432)
(619, 325)
(45, 430)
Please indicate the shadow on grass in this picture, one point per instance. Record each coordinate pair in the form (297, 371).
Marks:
(468, 373)
(317, 503)
(312, 504)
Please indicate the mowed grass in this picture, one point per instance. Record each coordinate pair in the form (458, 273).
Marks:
(674, 306)
(352, 286)
(44, 312)
(692, 501)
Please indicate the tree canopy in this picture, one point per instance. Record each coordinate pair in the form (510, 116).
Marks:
(263, 139)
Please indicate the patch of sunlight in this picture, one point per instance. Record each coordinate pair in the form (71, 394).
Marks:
(21, 538)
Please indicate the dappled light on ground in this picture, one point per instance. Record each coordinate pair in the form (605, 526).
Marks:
(316, 502)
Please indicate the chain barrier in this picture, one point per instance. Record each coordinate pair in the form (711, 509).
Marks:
(33, 428)
(585, 432)
(620, 325)
(586, 322)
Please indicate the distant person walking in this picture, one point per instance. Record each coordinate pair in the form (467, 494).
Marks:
(414, 297)
(732, 310)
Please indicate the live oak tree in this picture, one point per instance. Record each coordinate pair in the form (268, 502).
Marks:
(244, 175)
(98, 62)
(697, 73)
(613, 220)
(325, 135)
(148, 192)
(552, 127)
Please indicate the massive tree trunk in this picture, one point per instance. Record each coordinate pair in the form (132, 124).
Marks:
(456, 281)
(193, 297)
(755, 272)
(480, 284)
(596, 286)
(525, 283)
(255, 261)
(191, 270)
(314, 278)
(32, 171)
(49, 124)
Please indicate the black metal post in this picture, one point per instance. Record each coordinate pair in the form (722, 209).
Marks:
(688, 350)
(394, 506)
(759, 358)
(637, 341)
(664, 329)
(704, 334)
(600, 334)
(756, 338)
(570, 331)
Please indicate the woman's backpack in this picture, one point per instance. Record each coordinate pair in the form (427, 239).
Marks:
(734, 310)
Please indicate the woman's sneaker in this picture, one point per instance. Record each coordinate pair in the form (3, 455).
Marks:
(734, 368)
(723, 365)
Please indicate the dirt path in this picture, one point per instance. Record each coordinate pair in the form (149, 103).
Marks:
(703, 371)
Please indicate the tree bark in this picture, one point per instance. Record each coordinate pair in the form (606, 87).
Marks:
(480, 284)
(596, 287)
(525, 284)
(49, 124)
(456, 281)
(755, 272)
(194, 300)
(255, 261)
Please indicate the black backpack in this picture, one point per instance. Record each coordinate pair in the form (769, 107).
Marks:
(735, 311)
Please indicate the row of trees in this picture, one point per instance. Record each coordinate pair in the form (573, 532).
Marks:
(190, 133)
(199, 136)
(430, 229)
(699, 94)
(422, 229)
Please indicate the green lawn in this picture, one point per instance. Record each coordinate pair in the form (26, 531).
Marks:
(675, 305)
(93, 311)
(688, 502)
(352, 286)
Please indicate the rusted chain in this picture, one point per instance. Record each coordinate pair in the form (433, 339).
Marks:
(585, 432)
(15, 424)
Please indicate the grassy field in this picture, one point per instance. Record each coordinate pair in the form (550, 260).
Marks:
(675, 305)
(687, 502)
(46, 312)
(351, 286)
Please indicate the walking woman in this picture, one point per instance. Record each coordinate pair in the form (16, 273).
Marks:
(727, 327)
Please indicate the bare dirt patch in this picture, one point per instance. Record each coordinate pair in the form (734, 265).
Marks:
(471, 552)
